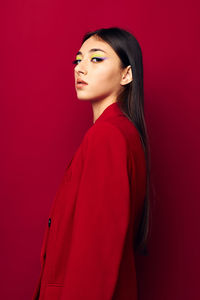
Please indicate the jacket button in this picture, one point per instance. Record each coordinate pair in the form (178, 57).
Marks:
(49, 223)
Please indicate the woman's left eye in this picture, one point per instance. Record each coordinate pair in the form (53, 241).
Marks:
(75, 62)
(98, 58)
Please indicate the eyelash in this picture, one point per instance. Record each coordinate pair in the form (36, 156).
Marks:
(76, 60)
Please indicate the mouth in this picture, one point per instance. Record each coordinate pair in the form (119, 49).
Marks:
(80, 83)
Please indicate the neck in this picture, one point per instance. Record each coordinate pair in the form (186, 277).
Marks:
(98, 107)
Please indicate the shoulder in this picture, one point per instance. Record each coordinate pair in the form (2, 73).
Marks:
(105, 134)
(105, 131)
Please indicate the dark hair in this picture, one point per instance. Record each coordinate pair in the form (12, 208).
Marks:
(131, 101)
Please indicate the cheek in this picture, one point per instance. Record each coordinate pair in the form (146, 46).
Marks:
(105, 77)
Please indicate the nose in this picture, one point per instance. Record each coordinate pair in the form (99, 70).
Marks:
(81, 67)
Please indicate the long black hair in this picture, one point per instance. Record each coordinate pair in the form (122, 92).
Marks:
(131, 101)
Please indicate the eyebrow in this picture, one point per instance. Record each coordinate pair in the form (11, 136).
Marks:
(91, 50)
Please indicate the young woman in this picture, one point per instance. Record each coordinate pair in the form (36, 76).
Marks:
(99, 216)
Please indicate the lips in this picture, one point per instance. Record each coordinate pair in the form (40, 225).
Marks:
(80, 81)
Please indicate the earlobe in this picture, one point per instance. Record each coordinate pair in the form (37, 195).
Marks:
(127, 76)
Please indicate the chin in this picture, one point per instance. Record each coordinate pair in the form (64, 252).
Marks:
(81, 96)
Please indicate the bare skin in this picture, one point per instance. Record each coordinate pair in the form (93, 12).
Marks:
(103, 74)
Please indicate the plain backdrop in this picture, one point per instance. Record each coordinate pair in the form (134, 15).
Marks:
(43, 122)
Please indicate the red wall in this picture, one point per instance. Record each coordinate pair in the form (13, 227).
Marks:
(42, 124)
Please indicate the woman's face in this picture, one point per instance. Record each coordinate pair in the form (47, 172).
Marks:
(100, 69)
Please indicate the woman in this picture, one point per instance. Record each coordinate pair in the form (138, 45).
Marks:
(99, 216)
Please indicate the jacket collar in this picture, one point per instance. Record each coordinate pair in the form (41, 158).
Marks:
(110, 111)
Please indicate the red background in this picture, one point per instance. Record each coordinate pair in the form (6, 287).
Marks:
(42, 124)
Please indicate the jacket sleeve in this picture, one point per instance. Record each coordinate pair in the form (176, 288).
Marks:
(101, 217)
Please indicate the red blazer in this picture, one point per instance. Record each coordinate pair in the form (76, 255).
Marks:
(87, 251)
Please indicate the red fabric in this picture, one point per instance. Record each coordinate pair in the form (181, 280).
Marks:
(87, 250)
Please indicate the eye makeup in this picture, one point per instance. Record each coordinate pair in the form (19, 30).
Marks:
(96, 56)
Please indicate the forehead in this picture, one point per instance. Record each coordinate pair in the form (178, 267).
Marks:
(94, 43)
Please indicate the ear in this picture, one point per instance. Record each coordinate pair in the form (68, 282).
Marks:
(127, 76)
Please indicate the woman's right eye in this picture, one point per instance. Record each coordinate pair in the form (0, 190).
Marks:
(75, 62)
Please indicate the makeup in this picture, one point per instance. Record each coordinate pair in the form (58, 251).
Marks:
(95, 56)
